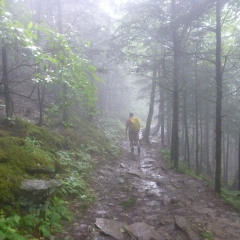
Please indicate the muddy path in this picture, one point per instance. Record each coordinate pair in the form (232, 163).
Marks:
(139, 197)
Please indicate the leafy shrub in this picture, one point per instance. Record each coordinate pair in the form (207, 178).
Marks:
(78, 161)
(231, 197)
(45, 220)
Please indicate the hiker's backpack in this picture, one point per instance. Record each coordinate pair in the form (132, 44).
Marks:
(134, 125)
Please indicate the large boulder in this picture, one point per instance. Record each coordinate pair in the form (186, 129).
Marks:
(38, 191)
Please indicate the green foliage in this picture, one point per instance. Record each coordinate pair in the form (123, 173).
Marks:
(31, 144)
(207, 235)
(182, 166)
(166, 154)
(78, 161)
(8, 226)
(232, 197)
(78, 165)
(45, 220)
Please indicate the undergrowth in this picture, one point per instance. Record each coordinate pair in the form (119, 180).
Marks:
(42, 220)
(232, 197)
(72, 152)
(182, 166)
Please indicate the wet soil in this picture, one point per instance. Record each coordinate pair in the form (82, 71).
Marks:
(142, 188)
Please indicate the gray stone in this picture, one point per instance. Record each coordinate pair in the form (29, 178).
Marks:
(146, 165)
(111, 227)
(122, 165)
(182, 223)
(143, 231)
(166, 201)
(101, 213)
(120, 180)
(38, 191)
(137, 174)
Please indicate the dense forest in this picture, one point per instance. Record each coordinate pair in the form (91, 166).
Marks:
(174, 63)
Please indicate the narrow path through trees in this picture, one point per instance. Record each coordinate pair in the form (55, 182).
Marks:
(137, 193)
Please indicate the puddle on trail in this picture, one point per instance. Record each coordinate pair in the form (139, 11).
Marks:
(149, 186)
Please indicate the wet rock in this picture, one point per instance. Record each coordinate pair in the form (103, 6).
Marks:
(37, 191)
(174, 200)
(103, 173)
(166, 201)
(111, 227)
(137, 174)
(151, 161)
(171, 188)
(146, 165)
(122, 165)
(143, 231)
(151, 193)
(161, 184)
(184, 225)
(120, 180)
(101, 213)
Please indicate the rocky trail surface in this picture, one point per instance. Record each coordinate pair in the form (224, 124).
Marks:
(139, 197)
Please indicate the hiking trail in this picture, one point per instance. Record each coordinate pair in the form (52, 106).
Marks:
(140, 197)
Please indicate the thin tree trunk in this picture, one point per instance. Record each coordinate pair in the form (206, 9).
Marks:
(169, 120)
(227, 160)
(8, 106)
(175, 138)
(218, 154)
(207, 142)
(65, 113)
(196, 122)
(186, 152)
(201, 141)
(239, 161)
(162, 117)
(151, 106)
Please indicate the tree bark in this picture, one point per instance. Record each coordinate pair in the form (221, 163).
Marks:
(239, 161)
(196, 122)
(65, 114)
(8, 105)
(175, 137)
(186, 144)
(226, 160)
(151, 105)
(162, 117)
(218, 153)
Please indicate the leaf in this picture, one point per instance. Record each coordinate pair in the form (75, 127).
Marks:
(30, 25)
(3, 4)
(2, 235)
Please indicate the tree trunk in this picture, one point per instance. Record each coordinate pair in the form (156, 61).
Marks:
(65, 114)
(175, 138)
(169, 120)
(151, 106)
(8, 105)
(162, 117)
(226, 160)
(239, 161)
(218, 154)
(186, 148)
(196, 122)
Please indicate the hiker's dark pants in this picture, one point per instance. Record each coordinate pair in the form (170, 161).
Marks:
(133, 137)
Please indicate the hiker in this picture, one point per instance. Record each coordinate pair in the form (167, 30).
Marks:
(133, 128)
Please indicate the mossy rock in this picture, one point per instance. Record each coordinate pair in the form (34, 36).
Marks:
(18, 159)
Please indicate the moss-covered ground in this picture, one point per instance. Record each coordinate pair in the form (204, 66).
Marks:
(28, 151)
